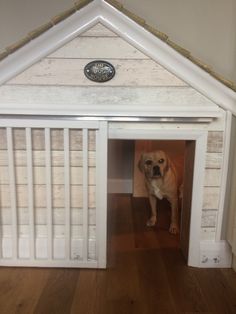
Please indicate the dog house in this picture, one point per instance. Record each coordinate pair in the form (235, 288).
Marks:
(55, 124)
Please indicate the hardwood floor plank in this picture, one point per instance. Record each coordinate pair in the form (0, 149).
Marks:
(57, 295)
(186, 291)
(146, 274)
(84, 299)
(221, 298)
(20, 289)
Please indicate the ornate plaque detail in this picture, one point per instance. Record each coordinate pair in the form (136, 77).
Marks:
(99, 71)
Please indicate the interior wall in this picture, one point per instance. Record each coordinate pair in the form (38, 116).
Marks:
(120, 159)
(192, 24)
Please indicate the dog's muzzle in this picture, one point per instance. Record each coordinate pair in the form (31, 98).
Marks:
(156, 171)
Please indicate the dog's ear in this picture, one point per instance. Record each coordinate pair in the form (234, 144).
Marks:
(141, 163)
(168, 164)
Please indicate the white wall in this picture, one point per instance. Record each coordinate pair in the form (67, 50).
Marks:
(206, 28)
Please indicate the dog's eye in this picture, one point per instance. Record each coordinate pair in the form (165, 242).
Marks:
(161, 161)
(148, 162)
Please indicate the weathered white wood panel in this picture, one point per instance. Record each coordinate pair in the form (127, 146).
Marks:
(214, 160)
(99, 30)
(41, 216)
(58, 199)
(39, 175)
(42, 231)
(57, 158)
(56, 137)
(212, 177)
(177, 101)
(209, 218)
(215, 142)
(71, 72)
(106, 48)
(208, 233)
(58, 251)
(211, 197)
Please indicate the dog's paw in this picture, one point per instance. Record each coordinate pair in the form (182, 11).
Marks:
(174, 228)
(151, 222)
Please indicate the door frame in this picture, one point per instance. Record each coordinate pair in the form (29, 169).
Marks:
(200, 139)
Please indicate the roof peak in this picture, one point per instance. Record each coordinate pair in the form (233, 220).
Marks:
(85, 14)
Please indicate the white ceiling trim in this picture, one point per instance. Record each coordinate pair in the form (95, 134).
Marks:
(136, 35)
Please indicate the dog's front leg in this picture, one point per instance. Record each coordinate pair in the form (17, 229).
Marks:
(174, 224)
(153, 219)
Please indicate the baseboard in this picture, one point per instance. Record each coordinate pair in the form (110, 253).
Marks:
(215, 254)
(120, 186)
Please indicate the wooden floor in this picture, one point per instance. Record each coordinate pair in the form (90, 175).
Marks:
(146, 274)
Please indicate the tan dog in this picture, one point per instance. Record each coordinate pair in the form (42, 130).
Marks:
(161, 182)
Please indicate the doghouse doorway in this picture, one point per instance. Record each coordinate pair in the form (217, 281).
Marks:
(195, 145)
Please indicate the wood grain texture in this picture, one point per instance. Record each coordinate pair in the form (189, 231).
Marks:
(76, 158)
(99, 30)
(71, 72)
(148, 278)
(60, 285)
(215, 142)
(56, 137)
(106, 48)
(39, 175)
(57, 96)
(41, 217)
(40, 196)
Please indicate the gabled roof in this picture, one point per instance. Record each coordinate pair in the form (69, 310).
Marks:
(86, 13)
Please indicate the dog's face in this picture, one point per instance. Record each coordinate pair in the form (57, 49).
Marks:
(154, 164)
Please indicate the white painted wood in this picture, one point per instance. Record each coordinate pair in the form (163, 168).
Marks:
(215, 142)
(109, 101)
(71, 72)
(59, 231)
(30, 182)
(197, 200)
(212, 177)
(12, 195)
(57, 159)
(67, 192)
(85, 194)
(99, 30)
(215, 254)
(208, 233)
(106, 48)
(41, 216)
(48, 191)
(209, 218)
(224, 175)
(214, 160)
(40, 196)
(42, 122)
(136, 35)
(58, 174)
(211, 198)
(217, 124)
(168, 57)
(101, 194)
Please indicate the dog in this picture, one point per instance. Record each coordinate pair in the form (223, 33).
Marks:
(161, 182)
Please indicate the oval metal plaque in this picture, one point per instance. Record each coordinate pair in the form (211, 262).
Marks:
(99, 71)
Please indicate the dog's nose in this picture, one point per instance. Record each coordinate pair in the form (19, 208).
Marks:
(156, 171)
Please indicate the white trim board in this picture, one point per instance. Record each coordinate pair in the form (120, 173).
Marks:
(136, 35)
(200, 138)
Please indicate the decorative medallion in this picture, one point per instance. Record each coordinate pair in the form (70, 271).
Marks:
(99, 71)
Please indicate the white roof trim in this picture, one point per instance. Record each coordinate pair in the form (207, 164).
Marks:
(136, 35)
